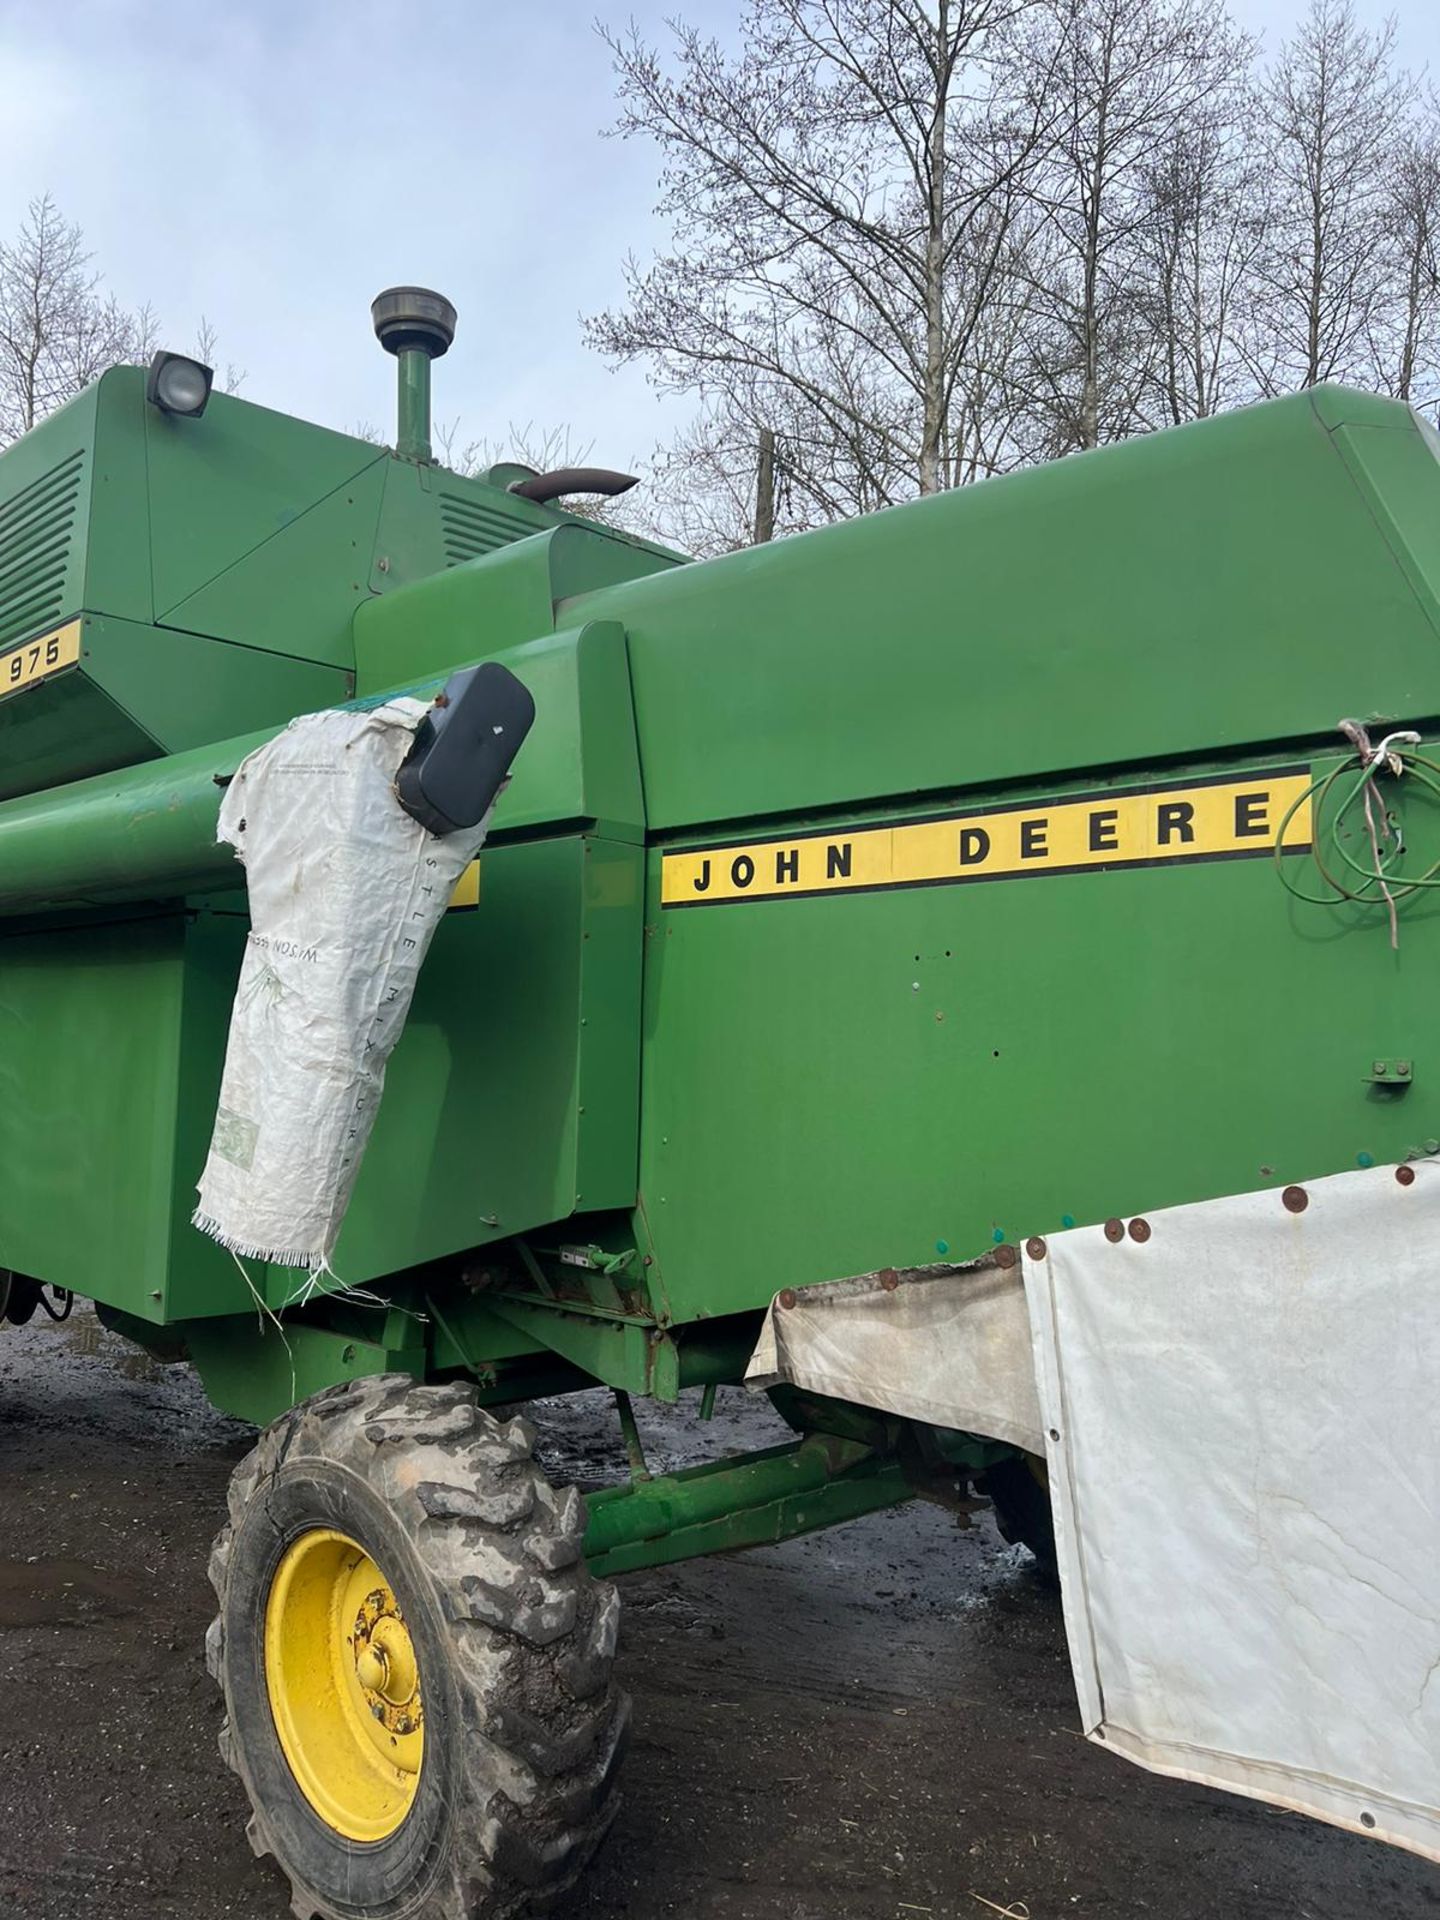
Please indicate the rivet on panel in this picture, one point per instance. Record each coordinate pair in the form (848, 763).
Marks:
(1004, 1256)
(1114, 1230)
(889, 1279)
(1140, 1231)
(1295, 1199)
(1035, 1247)
(787, 1297)
(1405, 1175)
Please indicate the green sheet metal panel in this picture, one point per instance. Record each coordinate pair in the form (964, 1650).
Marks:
(1394, 471)
(607, 1039)
(256, 1371)
(89, 1032)
(501, 599)
(118, 577)
(408, 542)
(201, 1278)
(192, 689)
(515, 1080)
(227, 484)
(64, 729)
(138, 691)
(296, 592)
(1184, 594)
(478, 606)
(580, 761)
(90, 1051)
(518, 1067)
(44, 517)
(837, 1084)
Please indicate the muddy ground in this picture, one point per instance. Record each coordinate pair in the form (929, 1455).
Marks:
(875, 1724)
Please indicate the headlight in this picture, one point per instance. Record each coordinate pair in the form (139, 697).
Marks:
(178, 385)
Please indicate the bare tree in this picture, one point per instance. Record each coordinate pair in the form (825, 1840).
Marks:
(1412, 224)
(1335, 109)
(228, 378)
(754, 465)
(700, 494)
(841, 193)
(58, 330)
(916, 242)
(1134, 82)
(1197, 243)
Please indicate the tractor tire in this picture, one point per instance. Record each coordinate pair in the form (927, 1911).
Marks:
(415, 1660)
(1020, 1491)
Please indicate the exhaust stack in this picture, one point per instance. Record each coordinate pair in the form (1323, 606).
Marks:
(417, 326)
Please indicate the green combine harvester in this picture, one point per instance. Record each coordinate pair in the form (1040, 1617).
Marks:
(871, 903)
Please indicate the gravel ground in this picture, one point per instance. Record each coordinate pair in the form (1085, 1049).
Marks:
(873, 1724)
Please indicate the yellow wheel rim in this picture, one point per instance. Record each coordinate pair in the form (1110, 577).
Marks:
(344, 1686)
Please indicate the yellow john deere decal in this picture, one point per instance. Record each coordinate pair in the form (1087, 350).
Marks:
(37, 659)
(1151, 826)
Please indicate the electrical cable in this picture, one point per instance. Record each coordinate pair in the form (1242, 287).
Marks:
(1334, 799)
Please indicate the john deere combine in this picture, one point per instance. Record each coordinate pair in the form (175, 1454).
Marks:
(868, 904)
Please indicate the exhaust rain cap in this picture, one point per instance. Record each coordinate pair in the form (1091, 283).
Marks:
(413, 320)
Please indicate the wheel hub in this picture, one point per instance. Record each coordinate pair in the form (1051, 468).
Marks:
(385, 1663)
(343, 1679)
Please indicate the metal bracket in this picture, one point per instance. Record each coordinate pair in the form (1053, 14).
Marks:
(1390, 1073)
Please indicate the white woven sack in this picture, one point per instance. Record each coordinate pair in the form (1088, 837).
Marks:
(346, 891)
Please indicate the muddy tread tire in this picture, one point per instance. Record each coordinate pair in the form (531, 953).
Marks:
(524, 1728)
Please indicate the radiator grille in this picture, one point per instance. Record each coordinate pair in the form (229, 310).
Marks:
(473, 527)
(36, 530)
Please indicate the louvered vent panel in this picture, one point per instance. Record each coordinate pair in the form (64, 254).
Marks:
(36, 530)
(473, 527)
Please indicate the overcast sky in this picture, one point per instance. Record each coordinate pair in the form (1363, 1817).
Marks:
(273, 163)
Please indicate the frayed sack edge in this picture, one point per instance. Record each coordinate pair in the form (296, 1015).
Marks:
(309, 1262)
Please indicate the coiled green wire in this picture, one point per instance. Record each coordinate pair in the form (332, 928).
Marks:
(1376, 879)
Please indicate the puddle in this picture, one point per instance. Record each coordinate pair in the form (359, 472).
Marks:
(83, 1335)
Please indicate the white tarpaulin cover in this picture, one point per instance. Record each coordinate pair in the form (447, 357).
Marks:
(345, 892)
(1245, 1463)
(949, 1345)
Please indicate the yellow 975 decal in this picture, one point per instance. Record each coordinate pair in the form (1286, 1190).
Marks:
(36, 660)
